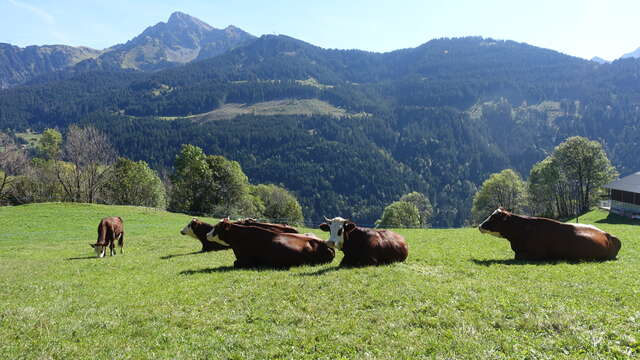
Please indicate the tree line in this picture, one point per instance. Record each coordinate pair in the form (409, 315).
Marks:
(566, 183)
(83, 166)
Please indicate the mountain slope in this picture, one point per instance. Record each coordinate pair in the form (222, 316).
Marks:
(634, 54)
(181, 39)
(437, 119)
(18, 65)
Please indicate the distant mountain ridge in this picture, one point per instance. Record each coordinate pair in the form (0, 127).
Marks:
(634, 54)
(18, 65)
(437, 118)
(182, 39)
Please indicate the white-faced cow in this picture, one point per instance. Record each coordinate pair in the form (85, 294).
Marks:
(363, 246)
(199, 229)
(109, 229)
(538, 239)
(261, 247)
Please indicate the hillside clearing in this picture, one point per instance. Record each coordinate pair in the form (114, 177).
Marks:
(305, 107)
(459, 295)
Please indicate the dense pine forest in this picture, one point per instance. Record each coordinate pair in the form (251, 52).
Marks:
(437, 119)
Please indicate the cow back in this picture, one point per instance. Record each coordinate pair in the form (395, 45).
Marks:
(269, 226)
(109, 229)
(363, 246)
(258, 246)
(534, 238)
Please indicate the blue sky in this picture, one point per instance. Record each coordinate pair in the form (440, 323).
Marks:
(581, 28)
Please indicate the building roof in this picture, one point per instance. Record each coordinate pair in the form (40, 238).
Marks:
(629, 183)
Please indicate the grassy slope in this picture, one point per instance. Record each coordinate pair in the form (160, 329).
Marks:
(271, 108)
(459, 295)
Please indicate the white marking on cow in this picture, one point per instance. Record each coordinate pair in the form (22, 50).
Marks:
(336, 232)
(216, 238)
(100, 250)
(187, 230)
(588, 226)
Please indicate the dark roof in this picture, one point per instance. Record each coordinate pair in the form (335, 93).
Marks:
(629, 183)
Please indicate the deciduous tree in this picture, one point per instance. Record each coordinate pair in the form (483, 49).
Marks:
(279, 204)
(422, 203)
(505, 189)
(91, 155)
(400, 214)
(134, 183)
(586, 168)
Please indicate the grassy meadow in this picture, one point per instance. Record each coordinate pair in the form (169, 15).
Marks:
(460, 295)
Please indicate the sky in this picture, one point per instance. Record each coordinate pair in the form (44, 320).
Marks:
(584, 28)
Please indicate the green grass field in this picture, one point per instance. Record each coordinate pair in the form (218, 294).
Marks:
(459, 296)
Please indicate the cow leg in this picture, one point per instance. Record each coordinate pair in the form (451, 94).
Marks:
(121, 243)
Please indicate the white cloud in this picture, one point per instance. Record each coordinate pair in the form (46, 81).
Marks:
(42, 14)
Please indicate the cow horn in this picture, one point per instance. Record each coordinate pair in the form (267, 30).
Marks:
(326, 219)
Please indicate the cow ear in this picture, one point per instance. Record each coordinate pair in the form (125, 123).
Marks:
(325, 227)
(93, 245)
(349, 226)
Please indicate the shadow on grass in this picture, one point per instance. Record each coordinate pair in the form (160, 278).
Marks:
(320, 272)
(167, 257)
(615, 219)
(534, 262)
(222, 269)
(219, 269)
(83, 258)
(512, 262)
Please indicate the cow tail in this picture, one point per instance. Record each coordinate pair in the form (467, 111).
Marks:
(614, 245)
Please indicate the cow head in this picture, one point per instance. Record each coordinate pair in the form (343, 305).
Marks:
(188, 230)
(495, 222)
(214, 235)
(99, 249)
(337, 228)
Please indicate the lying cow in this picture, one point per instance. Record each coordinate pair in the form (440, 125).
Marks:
(109, 229)
(362, 246)
(261, 247)
(199, 230)
(276, 227)
(534, 238)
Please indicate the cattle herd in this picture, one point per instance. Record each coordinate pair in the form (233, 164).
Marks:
(261, 244)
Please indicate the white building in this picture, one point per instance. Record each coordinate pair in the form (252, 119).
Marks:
(625, 196)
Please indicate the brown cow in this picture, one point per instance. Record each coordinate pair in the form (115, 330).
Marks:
(363, 246)
(199, 230)
(534, 238)
(109, 229)
(260, 247)
(276, 227)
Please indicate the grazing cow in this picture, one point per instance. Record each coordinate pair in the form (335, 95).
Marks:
(362, 246)
(199, 230)
(261, 247)
(109, 229)
(534, 238)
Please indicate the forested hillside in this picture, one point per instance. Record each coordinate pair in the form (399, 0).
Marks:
(435, 119)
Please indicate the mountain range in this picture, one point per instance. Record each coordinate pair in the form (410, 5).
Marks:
(347, 131)
(180, 40)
